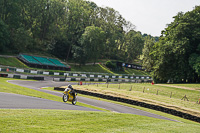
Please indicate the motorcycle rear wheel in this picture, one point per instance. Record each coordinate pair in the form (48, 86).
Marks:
(65, 97)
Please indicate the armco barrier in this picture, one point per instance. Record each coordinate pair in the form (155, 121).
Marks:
(142, 104)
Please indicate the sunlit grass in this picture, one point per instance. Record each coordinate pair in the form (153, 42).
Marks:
(81, 121)
(158, 95)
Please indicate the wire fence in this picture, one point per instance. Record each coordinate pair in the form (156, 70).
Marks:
(146, 88)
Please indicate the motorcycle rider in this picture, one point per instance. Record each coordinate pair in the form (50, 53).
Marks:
(72, 91)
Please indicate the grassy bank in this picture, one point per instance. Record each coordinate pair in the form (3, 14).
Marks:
(158, 95)
(81, 121)
(12, 61)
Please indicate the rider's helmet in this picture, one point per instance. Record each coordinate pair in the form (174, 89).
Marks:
(69, 86)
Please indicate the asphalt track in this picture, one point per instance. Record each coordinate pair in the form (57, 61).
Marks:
(37, 85)
(16, 101)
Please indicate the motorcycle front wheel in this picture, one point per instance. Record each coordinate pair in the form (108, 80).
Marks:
(74, 101)
(65, 97)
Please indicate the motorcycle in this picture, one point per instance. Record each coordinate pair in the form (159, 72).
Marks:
(67, 96)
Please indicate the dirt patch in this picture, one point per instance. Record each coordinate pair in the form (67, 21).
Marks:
(181, 87)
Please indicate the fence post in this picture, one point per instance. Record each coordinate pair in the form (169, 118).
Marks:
(131, 87)
(171, 95)
(143, 89)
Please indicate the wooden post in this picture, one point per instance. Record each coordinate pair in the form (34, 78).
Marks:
(143, 89)
(131, 87)
(157, 92)
(107, 85)
(171, 95)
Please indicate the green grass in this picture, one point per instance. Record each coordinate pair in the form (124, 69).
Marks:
(99, 68)
(150, 95)
(87, 122)
(135, 72)
(88, 68)
(12, 61)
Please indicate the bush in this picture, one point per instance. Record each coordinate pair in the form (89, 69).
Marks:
(111, 65)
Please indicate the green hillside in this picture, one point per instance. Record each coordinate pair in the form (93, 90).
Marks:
(12, 61)
(97, 68)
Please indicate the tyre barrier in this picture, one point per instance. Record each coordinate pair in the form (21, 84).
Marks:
(137, 103)
(23, 77)
(3, 75)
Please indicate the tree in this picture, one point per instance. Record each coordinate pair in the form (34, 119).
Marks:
(176, 54)
(112, 23)
(92, 42)
(4, 36)
(147, 56)
(134, 44)
(77, 19)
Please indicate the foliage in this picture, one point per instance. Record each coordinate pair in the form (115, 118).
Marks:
(68, 29)
(133, 45)
(4, 36)
(147, 57)
(91, 44)
(109, 64)
(176, 56)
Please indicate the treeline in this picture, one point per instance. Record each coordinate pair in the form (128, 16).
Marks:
(176, 56)
(68, 29)
(79, 30)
